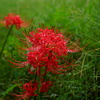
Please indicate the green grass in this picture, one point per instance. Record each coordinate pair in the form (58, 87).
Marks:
(78, 18)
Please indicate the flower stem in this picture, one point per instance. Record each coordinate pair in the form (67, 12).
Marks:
(5, 41)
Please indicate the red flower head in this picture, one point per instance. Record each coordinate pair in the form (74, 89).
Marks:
(45, 86)
(45, 47)
(13, 19)
(29, 90)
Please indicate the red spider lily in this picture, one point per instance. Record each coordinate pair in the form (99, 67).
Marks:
(13, 19)
(30, 88)
(45, 86)
(29, 91)
(45, 46)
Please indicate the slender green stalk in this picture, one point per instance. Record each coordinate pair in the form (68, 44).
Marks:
(5, 41)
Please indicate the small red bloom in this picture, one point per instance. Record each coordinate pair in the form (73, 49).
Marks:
(29, 90)
(45, 86)
(13, 19)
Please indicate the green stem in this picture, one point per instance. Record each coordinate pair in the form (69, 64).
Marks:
(34, 97)
(5, 41)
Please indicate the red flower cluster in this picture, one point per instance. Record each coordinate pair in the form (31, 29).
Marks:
(30, 89)
(45, 46)
(13, 19)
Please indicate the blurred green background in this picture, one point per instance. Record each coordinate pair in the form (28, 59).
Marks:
(79, 19)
